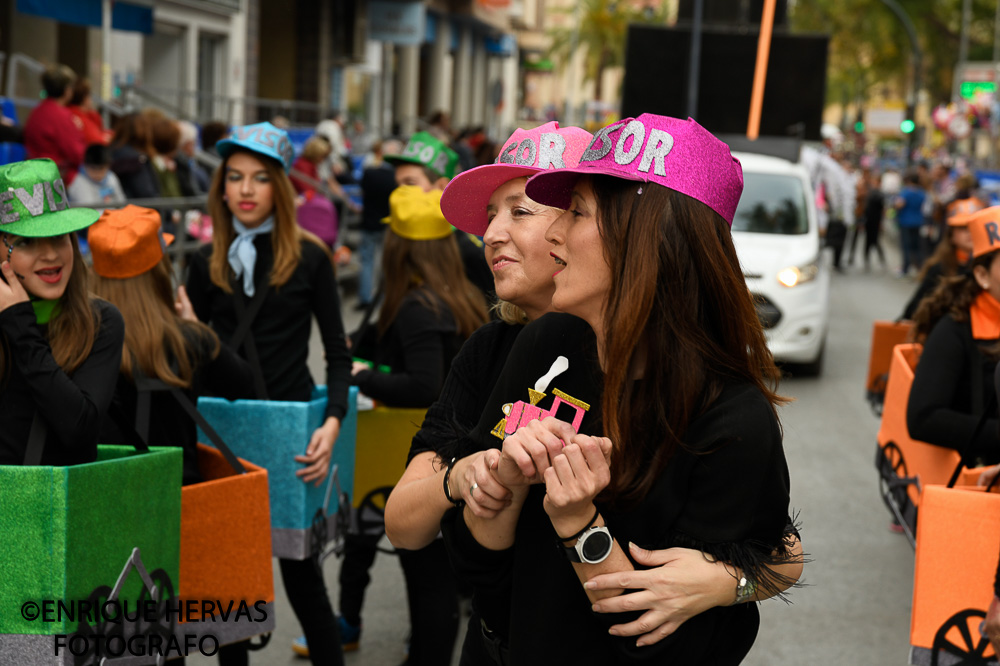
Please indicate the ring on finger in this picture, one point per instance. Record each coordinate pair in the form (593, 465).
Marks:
(473, 488)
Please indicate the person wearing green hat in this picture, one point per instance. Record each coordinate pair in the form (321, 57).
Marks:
(60, 349)
(429, 164)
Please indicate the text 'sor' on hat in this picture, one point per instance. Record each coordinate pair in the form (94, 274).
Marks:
(678, 154)
(958, 212)
(33, 201)
(264, 139)
(426, 150)
(416, 214)
(126, 243)
(984, 227)
(525, 153)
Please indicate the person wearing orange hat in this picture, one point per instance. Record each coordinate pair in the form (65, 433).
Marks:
(959, 325)
(59, 347)
(429, 309)
(133, 272)
(952, 254)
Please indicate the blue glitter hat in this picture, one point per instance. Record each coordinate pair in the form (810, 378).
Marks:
(264, 139)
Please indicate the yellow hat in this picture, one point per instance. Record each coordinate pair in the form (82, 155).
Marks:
(416, 214)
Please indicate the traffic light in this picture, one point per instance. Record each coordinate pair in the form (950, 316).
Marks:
(907, 126)
(859, 126)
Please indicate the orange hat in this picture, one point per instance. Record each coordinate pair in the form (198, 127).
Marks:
(985, 229)
(959, 211)
(127, 242)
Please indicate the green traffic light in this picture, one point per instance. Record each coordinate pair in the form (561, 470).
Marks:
(907, 126)
(859, 127)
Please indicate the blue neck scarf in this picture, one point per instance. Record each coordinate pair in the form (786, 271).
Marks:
(242, 253)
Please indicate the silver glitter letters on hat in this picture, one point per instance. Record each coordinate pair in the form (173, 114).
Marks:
(507, 154)
(427, 154)
(440, 163)
(529, 159)
(7, 214)
(550, 152)
(591, 153)
(60, 189)
(413, 149)
(49, 197)
(657, 147)
(637, 131)
(33, 202)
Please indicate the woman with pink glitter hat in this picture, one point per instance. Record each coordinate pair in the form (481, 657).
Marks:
(656, 345)
(491, 201)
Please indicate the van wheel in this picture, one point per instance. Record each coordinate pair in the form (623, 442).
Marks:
(815, 367)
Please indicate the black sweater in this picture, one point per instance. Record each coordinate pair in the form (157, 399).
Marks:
(942, 408)
(282, 327)
(729, 498)
(418, 346)
(227, 375)
(72, 406)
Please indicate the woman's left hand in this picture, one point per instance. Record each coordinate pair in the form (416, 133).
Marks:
(11, 290)
(683, 584)
(358, 366)
(575, 478)
(317, 456)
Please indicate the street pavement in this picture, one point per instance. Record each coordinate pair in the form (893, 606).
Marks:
(854, 606)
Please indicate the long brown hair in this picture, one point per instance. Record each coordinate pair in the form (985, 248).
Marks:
(679, 306)
(286, 237)
(71, 333)
(154, 334)
(953, 297)
(134, 130)
(429, 266)
(944, 255)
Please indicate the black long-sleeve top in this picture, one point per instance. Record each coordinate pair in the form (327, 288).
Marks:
(282, 327)
(941, 407)
(727, 495)
(474, 371)
(72, 406)
(418, 346)
(227, 375)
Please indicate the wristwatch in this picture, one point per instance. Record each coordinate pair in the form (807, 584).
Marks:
(593, 546)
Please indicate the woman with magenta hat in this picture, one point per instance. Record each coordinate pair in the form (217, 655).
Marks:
(491, 201)
(59, 347)
(657, 346)
(264, 274)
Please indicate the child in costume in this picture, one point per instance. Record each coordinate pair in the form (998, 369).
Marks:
(60, 348)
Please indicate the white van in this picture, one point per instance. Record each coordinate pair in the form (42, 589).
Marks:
(776, 234)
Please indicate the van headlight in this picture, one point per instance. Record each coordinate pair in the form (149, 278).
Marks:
(796, 275)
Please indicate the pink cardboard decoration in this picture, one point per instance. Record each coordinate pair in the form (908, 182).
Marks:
(678, 154)
(525, 153)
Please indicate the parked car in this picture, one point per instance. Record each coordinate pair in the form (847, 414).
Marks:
(776, 234)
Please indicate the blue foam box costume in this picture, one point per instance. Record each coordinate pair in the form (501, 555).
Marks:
(270, 434)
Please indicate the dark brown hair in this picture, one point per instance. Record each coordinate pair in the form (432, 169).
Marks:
(944, 256)
(133, 130)
(81, 91)
(679, 306)
(429, 266)
(166, 136)
(154, 334)
(286, 237)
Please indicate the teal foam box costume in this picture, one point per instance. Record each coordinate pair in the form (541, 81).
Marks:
(270, 433)
(73, 534)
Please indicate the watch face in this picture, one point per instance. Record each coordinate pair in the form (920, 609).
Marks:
(596, 546)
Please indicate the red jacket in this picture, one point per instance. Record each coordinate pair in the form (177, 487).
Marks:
(51, 132)
(90, 123)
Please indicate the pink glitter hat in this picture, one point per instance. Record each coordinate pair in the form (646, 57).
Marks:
(677, 154)
(525, 153)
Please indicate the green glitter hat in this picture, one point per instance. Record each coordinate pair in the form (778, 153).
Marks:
(426, 150)
(33, 201)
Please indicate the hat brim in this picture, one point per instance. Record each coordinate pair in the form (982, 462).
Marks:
(960, 220)
(52, 224)
(465, 199)
(554, 188)
(227, 147)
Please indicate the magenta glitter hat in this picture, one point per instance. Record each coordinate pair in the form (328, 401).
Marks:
(678, 154)
(525, 153)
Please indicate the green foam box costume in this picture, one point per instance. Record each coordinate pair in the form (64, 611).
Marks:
(68, 531)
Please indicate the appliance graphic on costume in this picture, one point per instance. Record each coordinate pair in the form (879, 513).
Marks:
(520, 413)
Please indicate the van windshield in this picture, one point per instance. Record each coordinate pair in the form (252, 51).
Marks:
(771, 204)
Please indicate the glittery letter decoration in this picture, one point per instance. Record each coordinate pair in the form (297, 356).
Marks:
(578, 412)
(529, 159)
(514, 417)
(33, 202)
(60, 189)
(49, 197)
(637, 131)
(507, 154)
(440, 163)
(657, 147)
(593, 154)
(7, 214)
(550, 152)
